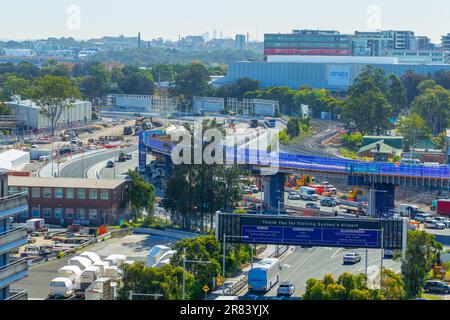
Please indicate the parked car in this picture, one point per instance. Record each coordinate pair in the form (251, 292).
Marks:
(294, 196)
(434, 224)
(352, 257)
(436, 286)
(421, 217)
(286, 288)
(254, 188)
(314, 206)
(110, 164)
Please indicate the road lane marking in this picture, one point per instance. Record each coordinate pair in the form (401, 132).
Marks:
(334, 254)
(296, 268)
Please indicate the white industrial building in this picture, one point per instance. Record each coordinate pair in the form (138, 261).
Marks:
(14, 159)
(79, 113)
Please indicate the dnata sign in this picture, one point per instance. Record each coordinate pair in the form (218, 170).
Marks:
(338, 75)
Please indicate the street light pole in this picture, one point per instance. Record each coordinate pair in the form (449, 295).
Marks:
(382, 255)
(184, 270)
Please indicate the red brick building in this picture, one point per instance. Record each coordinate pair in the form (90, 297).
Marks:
(65, 201)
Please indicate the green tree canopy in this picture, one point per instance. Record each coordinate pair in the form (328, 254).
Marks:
(54, 95)
(141, 193)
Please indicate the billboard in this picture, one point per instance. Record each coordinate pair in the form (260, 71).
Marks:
(338, 75)
(318, 232)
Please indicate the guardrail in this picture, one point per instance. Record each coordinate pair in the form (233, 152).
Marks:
(237, 286)
(17, 295)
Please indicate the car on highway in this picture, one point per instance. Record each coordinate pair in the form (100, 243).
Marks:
(286, 288)
(313, 206)
(293, 196)
(434, 224)
(327, 202)
(128, 156)
(443, 220)
(436, 286)
(388, 253)
(122, 157)
(351, 257)
(110, 164)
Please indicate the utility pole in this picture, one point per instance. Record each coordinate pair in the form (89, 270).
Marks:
(382, 256)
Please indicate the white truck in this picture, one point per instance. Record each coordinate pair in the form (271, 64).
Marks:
(85, 279)
(307, 193)
(61, 287)
(409, 210)
(35, 224)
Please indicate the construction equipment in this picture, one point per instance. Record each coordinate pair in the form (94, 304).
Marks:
(354, 194)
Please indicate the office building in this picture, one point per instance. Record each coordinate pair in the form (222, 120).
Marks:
(79, 113)
(11, 238)
(308, 42)
(446, 42)
(66, 201)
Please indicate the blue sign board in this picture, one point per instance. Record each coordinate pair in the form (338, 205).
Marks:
(317, 231)
(312, 236)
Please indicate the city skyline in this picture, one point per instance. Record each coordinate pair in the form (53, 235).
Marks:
(80, 19)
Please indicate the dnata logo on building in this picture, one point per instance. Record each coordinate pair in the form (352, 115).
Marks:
(338, 75)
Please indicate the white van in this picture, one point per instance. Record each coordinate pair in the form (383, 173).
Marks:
(307, 193)
(69, 272)
(406, 210)
(61, 287)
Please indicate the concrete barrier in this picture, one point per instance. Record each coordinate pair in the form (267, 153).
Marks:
(166, 233)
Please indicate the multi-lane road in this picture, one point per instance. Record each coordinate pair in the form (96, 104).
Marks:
(301, 264)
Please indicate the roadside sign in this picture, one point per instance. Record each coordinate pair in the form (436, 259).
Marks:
(219, 280)
(205, 288)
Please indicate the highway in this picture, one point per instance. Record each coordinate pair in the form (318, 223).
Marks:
(78, 168)
(301, 264)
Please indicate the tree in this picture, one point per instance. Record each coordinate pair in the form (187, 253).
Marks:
(5, 110)
(422, 252)
(410, 81)
(368, 113)
(166, 280)
(193, 81)
(413, 129)
(433, 104)
(396, 94)
(14, 85)
(141, 193)
(393, 285)
(196, 191)
(54, 95)
(52, 67)
(139, 82)
(97, 83)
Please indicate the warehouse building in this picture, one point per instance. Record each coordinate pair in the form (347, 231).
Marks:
(80, 113)
(336, 73)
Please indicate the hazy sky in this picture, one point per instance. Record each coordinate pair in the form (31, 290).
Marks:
(83, 19)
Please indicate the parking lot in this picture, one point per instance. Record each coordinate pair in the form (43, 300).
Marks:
(135, 247)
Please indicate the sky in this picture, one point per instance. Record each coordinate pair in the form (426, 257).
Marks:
(85, 19)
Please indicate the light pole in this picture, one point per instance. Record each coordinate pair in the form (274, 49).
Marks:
(223, 257)
(382, 255)
(184, 270)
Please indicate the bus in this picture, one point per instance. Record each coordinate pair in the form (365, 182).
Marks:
(269, 122)
(264, 275)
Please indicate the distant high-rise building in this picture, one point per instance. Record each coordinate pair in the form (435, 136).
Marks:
(446, 42)
(308, 42)
(248, 37)
(139, 40)
(239, 42)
